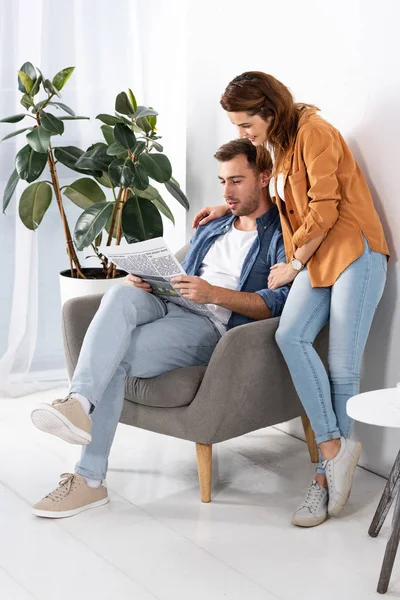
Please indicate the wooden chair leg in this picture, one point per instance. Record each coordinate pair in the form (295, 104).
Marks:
(204, 466)
(391, 550)
(310, 437)
(389, 493)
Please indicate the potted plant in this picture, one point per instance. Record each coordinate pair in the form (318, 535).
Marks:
(114, 190)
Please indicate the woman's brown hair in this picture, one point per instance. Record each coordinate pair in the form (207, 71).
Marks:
(260, 94)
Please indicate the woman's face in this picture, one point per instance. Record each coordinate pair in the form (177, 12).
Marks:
(253, 127)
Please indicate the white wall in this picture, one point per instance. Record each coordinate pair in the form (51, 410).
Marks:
(344, 57)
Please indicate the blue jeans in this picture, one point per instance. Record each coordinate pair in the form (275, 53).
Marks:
(349, 305)
(133, 334)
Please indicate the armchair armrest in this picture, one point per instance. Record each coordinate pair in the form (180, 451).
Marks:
(247, 384)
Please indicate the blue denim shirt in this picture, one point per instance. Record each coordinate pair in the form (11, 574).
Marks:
(266, 250)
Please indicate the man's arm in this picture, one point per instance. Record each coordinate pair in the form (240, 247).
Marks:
(245, 303)
(262, 304)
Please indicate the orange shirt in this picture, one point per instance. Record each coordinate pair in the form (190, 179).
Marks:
(326, 193)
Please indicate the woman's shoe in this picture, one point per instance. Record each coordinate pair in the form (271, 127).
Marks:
(340, 472)
(314, 508)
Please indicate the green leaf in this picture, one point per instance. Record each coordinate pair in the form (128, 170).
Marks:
(139, 148)
(108, 119)
(27, 78)
(26, 101)
(122, 104)
(30, 164)
(34, 202)
(152, 194)
(157, 166)
(10, 189)
(177, 193)
(143, 123)
(122, 172)
(144, 111)
(141, 181)
(39, 139)
(132, 99)
(115, 149)
(153, 121)
(64, 107)
(69, 155)
(95, 158)
(51, 123)
(91, 222)
(84, 192)
(13, 118)
(108, 134)
(14, 133)
(140, 220)
(62, 77)
(49, 87)
(98, 240)
(36, 86)
(157, 146)
(104, 180)
(124, 136)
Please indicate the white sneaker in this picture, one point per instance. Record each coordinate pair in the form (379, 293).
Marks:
(314, 509)
(339, 474)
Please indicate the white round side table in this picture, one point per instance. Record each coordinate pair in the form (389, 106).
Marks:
(382, 408)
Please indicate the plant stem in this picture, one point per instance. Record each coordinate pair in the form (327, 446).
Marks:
(123, 195)
(114, 217)
(72, 256)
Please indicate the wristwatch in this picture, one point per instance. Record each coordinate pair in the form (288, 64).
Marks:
(297, 265)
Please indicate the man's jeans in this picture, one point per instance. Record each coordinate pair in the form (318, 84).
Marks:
(133, 334)
(350, 306)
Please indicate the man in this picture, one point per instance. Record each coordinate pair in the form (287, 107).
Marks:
(135, 333)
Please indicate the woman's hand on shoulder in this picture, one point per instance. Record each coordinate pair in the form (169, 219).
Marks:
(209, 213)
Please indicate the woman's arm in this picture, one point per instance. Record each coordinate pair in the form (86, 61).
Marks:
(209, 213)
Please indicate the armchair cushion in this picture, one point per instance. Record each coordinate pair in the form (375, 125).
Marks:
(170, 390)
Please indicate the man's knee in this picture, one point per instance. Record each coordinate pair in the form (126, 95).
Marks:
(124, 294)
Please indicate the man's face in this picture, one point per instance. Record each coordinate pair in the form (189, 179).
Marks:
(241, 186)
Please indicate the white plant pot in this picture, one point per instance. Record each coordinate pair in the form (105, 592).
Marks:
(73, 287)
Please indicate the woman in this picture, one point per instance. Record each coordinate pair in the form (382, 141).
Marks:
(336, 261)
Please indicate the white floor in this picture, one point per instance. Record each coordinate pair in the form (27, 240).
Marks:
(155, 540)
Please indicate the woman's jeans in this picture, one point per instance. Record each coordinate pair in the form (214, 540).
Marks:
(133, 334)
(349, 305)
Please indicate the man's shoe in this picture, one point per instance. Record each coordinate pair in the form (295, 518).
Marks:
(72, 496)
(64, 418)
(339, 474)
(314, 508)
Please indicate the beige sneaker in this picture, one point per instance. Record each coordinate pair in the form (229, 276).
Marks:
(66, 419)
(72, 496)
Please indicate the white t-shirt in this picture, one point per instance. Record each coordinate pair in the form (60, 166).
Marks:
(222, 266)
(279, 186)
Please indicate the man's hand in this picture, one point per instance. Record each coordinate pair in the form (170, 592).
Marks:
(194, 288)
(281, 274)
(137, 282)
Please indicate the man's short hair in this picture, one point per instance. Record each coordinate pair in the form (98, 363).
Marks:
(258, 158)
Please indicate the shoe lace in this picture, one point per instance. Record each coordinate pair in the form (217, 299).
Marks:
(61, 400)
(313, 498)
(65, 485)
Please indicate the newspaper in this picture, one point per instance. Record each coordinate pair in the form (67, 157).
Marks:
(153, 262)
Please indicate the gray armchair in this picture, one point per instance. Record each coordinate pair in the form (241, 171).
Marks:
(245, 387)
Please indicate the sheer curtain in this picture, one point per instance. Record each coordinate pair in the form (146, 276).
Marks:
(102, 40)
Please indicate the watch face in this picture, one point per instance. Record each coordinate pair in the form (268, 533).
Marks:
(297, 264)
